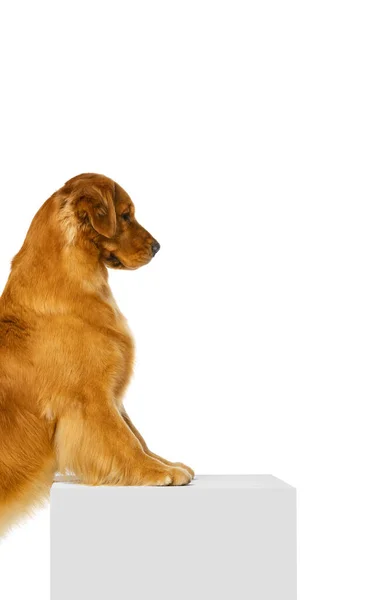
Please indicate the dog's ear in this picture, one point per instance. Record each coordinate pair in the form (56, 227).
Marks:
(95, 198)
(101, 210)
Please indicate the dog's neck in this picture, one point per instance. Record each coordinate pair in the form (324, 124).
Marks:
(50, 268)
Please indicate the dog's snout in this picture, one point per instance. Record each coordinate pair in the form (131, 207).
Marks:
(155, 247)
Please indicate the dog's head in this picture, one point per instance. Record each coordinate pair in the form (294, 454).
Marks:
(103, 214)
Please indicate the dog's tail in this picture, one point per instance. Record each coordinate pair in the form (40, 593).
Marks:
(21, 505)
(27, 465)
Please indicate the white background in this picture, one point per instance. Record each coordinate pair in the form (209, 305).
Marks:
(239, 130)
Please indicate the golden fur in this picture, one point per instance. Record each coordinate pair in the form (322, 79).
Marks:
(66, 352)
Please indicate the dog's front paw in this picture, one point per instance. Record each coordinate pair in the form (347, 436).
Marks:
(170, 475)
(185, 467)
(180, 475)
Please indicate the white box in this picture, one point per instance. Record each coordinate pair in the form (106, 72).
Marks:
(222, 537)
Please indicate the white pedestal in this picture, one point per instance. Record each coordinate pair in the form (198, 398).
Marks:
(224, 537)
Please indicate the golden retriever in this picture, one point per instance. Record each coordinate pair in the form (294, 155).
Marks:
(66, 352)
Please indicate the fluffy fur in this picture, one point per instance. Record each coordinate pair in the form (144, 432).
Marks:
(66, 352)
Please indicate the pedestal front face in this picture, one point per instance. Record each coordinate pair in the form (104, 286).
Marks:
(222, 537)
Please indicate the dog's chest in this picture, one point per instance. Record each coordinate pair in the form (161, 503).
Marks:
(126, 350)
(121, 320)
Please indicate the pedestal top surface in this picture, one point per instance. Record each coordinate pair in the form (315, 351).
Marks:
(214, 482)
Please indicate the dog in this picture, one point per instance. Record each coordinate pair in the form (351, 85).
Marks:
(67, 353)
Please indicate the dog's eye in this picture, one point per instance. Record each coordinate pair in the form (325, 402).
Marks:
(126, 217)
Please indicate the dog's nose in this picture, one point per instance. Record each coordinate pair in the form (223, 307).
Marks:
(155, 247)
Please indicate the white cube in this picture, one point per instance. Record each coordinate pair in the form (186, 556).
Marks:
(222, 537)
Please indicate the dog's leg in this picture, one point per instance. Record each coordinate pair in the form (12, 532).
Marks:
(146, 449)
(95, 443)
